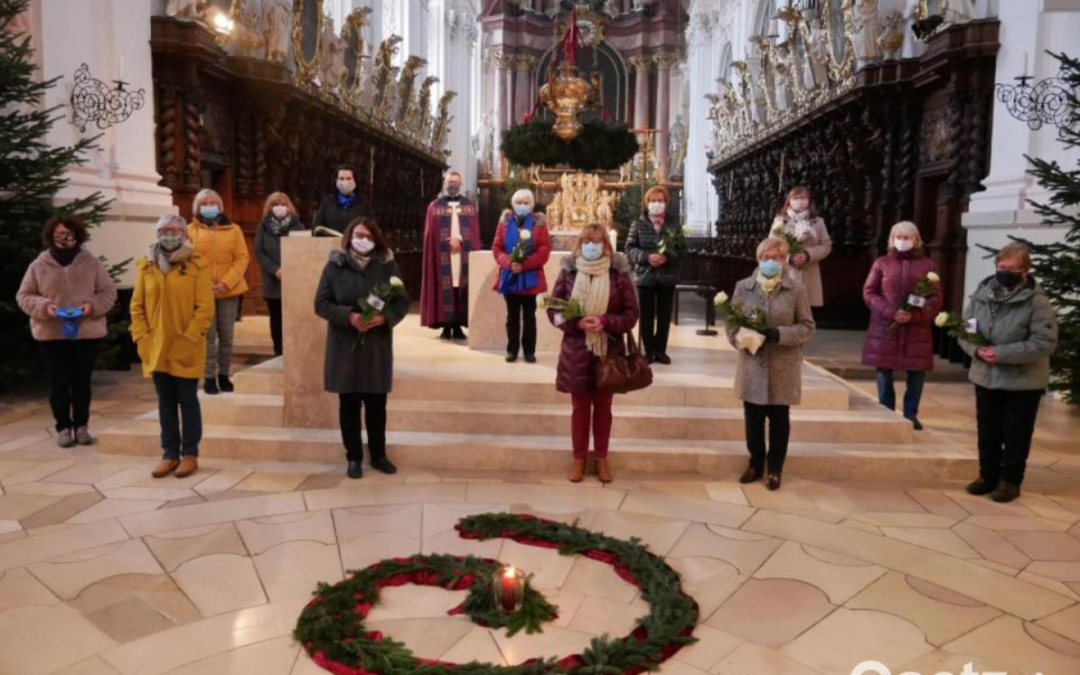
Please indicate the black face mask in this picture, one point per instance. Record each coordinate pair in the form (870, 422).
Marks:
(1007, 278)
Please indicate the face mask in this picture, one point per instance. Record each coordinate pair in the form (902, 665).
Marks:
(64, 241)
(1007, 278)
(657, 208)
(346, 187)
(170, 241)
(280, 211)
(770, 268)
(522, 210)
(592, 250)
(453, 190)
(363, 246)
(209, 212)
(903, 245)
(800, 205)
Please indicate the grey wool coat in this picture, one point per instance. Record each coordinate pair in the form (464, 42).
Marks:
(370, 369)
(818, 246)
(268, 253)
(643, 240)
(773, 376)
(1023, 331)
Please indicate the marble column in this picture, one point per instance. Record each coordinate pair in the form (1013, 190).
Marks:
(641, 65)
(664, 62)
(524, 93)
(498, 64)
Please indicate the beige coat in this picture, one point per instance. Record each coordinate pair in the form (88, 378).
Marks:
(818, 246)
(773, 376)
(47, 283)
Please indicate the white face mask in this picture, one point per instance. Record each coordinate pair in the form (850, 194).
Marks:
(346, 187)
(903, 245)
(363, 246)
(280, 211)
(657, 208)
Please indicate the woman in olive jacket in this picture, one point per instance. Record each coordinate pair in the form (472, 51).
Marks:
(360, 371)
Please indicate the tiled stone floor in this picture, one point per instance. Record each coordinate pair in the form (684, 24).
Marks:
(105, 571)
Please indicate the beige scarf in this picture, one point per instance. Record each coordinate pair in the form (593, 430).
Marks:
(592, 288)
(769, 285)
(167, 261)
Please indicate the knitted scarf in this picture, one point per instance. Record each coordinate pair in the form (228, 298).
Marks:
(804, 226)
(167, 261)
(592, 288)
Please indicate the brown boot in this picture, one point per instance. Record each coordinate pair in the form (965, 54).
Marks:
(165, 467)
(577, 472)
(603, 471)
(188, 466)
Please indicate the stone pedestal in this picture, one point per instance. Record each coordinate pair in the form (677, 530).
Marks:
(487, 309)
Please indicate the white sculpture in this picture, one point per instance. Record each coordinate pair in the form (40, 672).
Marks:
(892, 34)
(183, 9)
(278, 19)
(487, 143)
(866, 28)
(817, 65)
(676, 147)
(958, 11)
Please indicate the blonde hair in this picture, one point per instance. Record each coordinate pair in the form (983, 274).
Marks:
(204, 195)
(771, 243)
(1015, 251)
(586, 232)
(905, 227)
(524, 192)
(276, 198)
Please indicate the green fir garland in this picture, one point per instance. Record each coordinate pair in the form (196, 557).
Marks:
(601, 146)
(331, 626)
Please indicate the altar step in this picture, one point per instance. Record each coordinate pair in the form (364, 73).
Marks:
(550, 453)
(690, 386)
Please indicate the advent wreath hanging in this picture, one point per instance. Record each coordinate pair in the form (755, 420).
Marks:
(601, 146)
(331, 626)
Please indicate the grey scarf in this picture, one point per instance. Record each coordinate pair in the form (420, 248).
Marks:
(999, 294)
(166, 261)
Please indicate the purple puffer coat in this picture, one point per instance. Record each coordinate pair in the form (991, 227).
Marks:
(575, 372)
(891, 279)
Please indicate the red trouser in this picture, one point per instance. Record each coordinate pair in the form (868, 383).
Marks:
(594, 408)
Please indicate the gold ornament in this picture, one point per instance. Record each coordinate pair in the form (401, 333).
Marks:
(568, 95)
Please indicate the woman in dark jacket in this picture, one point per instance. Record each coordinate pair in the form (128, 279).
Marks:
(1010, 371)
(899, 339)
(520, 282)
(340, 208)
(599, 280)
(360, 354)
(279, 218)
(656, 274)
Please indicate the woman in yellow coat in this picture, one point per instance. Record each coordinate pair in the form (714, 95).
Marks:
(222, 243)
(171, 311)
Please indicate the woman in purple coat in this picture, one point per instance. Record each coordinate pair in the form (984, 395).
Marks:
(899, 335)
(599, 280)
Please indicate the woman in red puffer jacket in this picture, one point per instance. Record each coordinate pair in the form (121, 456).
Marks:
(898, 338)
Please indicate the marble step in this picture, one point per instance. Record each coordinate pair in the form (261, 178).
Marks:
(863, 461)
(862, 425)
(522, 383)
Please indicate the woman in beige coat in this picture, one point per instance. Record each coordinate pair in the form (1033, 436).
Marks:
(769, 381)
(798, 218)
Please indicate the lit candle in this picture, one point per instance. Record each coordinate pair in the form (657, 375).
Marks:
(508, 590)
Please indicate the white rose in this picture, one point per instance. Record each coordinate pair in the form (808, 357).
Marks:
(525, 235)
(941, 320)
(396, 282)
(721, 298)
(933, 277)
(777, 226)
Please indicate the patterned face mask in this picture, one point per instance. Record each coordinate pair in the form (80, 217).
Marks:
(170, 241)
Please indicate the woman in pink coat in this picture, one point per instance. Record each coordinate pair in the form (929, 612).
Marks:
(899, 337)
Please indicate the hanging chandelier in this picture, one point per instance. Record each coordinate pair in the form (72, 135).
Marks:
(566, 93)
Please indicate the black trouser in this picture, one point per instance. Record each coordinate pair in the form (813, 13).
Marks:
(779, 417)
(520, 309)
(374, 407)
(178, 398)
(1006, 421)
(656, 304)
(274, 305)
(69, 365)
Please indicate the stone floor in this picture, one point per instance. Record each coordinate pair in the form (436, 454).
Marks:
(105, 571)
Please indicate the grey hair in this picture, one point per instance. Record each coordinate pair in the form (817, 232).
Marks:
(202, 195)
(170, 219)
(770, 243)
(906, 227)
(524, 192)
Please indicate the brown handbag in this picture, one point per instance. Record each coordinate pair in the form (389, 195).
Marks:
(623, 373)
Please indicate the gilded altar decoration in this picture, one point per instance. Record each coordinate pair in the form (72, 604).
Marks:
(383, 78)
(441, 134)
(578, 202)
(307, 38)
(566, 93)
(405, 87)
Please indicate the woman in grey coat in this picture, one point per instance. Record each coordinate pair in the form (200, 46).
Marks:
(769, 381)
(279, 218)
(360, 371)
(1010, 373)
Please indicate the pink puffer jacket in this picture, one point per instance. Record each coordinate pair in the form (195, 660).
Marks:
(891, 279)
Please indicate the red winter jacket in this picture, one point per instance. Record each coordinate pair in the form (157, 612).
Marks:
(541, 251)
(891, 279)
(575, 371)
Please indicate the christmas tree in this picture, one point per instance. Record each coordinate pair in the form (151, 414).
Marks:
(1057, 265)
(31, 174)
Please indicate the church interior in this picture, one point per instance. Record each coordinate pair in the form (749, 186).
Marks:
(718, 228)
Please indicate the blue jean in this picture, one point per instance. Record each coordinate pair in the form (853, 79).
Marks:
(887, 395)
(178, 397)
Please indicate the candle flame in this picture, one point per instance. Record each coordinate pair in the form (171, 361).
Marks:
(510, 572)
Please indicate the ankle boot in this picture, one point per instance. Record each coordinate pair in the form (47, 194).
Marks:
(603, 471)
(577, 472)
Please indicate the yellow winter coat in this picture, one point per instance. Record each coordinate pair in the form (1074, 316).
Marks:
(224, 248)
(170, 314)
